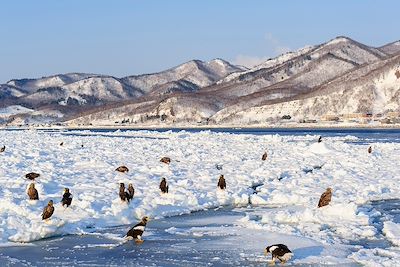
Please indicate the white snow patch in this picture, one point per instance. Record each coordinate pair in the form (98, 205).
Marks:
(392, 232)
(14, 110)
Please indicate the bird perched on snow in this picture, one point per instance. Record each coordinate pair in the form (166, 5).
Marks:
(325, 198)
(264, 156)
(165, 160)
(62, 143)
(123, 195)
(164, 185)
(280, 252)
(136, 231)
(67, 198)
(370, 150)
(32, 175)
(131, 191)
(48, 211)
(320, 139)
(122, 169)
(218, 166)
(2, 149)
(32, 192)
(221, 182)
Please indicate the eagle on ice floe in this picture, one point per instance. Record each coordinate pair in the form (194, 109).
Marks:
(136, 231)
(67, 198)
(264, 156)
(32, 175)
(32, 192)
(165, 160)
(164, 185)
(48, 211)
(221, 182)
(280, 252)
(123, 194)
(325, 198)
(122, 169)
(2, 149)
(131, 191)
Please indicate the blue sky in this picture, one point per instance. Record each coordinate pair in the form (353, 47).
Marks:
(119, 38)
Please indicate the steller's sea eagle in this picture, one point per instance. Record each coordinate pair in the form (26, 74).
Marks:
(280, 252)
(136, 231)
(67, 198)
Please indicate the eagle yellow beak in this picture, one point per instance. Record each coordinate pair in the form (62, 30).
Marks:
(265, 252)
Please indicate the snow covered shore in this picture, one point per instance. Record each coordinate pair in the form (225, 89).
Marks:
(296, 172)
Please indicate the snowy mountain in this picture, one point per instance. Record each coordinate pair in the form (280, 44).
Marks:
(87, 91)
(31, 85)
(303, 68)
(91, 90)
(189, 76)
(341, 79)
(10, 92)
(372, 89)
(391, 48)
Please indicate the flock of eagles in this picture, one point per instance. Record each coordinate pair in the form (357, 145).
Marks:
(278, 251)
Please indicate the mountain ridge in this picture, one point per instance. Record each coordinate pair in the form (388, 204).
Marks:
(218, 92)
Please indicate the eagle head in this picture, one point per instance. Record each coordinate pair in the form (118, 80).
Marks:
(145, 219)
(266, 251)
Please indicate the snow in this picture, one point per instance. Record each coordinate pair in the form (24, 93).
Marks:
(14, 110)
(377, 257)
(385, 91)
(338, 40)
(285, 186)
(392, 232)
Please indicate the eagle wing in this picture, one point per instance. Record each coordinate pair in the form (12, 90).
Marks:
(136, 231)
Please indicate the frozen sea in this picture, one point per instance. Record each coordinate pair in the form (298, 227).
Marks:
(196, 224)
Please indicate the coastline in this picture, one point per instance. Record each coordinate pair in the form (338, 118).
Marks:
(297, 126)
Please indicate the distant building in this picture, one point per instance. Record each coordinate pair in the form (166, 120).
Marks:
(356, 115)
(393, 114)
(330, 117)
